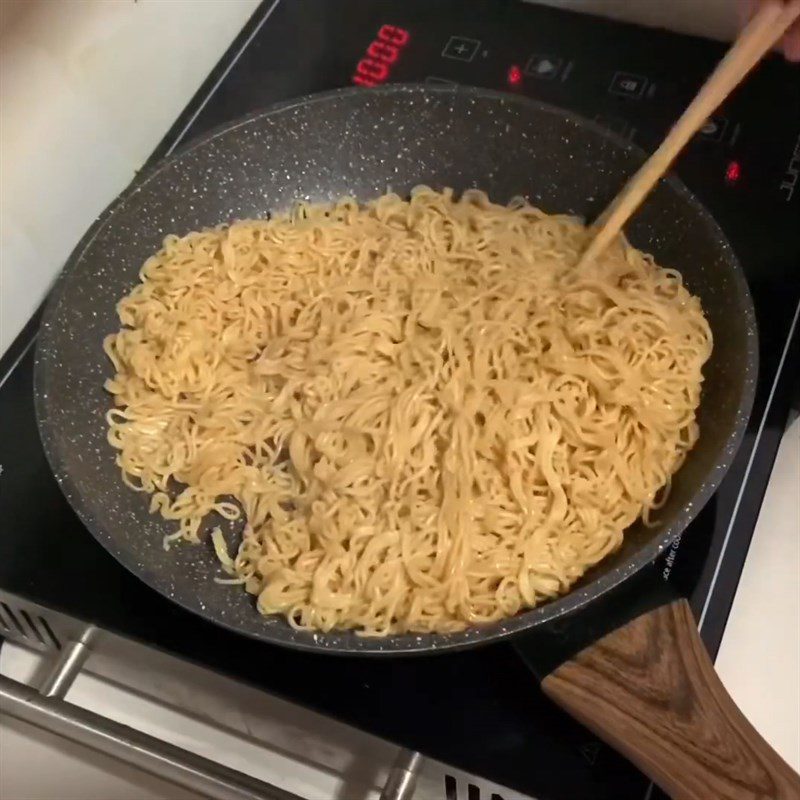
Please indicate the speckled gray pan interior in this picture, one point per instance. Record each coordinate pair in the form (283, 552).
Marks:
(362, 143)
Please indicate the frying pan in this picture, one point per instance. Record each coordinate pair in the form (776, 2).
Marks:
(646, 685)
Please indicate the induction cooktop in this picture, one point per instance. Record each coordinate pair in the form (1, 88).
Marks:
(478, 710)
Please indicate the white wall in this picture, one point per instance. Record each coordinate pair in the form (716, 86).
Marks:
(87, 89)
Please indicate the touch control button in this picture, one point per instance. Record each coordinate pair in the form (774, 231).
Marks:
(461, 48)
(626, 84)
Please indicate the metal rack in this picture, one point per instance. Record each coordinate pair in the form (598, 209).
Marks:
(67, 643)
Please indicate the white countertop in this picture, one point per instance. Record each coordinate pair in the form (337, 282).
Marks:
(759, 660)
(87, 90)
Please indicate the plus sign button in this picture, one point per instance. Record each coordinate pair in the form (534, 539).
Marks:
(461, 48)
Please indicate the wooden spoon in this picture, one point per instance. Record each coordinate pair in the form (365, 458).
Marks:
(758, 37)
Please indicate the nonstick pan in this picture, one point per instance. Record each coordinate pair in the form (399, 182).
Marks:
(647, 686)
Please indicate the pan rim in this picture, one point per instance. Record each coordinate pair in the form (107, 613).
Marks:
(347, 642)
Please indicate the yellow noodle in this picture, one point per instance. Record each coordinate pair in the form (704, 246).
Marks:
(428, 417)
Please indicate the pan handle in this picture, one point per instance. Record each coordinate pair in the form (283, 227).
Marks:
(649, 690)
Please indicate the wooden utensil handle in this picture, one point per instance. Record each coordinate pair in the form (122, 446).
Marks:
(649, 690)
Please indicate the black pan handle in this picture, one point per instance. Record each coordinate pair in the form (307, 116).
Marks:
(633, 669)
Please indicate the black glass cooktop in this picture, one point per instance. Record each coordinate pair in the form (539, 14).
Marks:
(478, 710)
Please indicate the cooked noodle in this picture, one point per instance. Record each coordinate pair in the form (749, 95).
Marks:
(427, 417)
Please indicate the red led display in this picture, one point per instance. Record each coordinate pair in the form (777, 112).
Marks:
(382, 52)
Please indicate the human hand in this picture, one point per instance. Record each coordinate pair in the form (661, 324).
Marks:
(789, 44)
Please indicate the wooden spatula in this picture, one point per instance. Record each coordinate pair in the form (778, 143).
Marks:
(758, 37)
